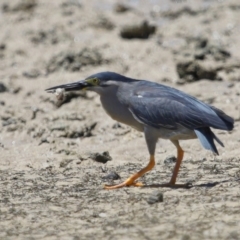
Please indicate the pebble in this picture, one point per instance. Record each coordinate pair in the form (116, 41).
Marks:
(111, 176)
(155, 197)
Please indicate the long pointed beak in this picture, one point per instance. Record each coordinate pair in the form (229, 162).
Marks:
(70, 86)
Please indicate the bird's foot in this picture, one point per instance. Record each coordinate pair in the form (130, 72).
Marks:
(131, 181)
(127, 183)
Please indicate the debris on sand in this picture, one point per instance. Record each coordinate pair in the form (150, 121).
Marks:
(200, 59)
(191, 70)
(23, 5)
(155, 197)
(2, 46)
(121, 8)
(3, 88)
(142, 31)
(83, 131)
(72, 61)
(65, 162)
(111, 176)
(32, 73)
(101, 157)
(170, 159)
(50, 181)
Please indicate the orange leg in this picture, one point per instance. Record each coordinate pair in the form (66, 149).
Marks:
(180, 153)
(172, 182)
(131, 180)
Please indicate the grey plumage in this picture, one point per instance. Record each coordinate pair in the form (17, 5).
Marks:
(161, 106)
(157, 110)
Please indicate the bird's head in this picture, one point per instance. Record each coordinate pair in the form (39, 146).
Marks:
(97, 82)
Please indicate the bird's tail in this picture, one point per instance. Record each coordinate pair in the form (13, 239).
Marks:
(207, 137)
(223, 122)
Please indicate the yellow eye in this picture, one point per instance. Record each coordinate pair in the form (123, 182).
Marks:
(95, 81)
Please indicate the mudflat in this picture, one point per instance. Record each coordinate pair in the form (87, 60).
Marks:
(56, 157)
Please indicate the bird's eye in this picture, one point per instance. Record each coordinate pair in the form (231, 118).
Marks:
(95, 81)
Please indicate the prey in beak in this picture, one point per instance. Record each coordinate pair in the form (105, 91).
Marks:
(61, 89)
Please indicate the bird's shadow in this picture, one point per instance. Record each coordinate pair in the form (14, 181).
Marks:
(190, 185)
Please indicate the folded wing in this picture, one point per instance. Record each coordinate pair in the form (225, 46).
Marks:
(161, 106)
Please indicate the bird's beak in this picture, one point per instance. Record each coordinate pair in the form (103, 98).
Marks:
(80, 85)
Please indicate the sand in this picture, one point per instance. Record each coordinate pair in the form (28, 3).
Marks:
(51, 187)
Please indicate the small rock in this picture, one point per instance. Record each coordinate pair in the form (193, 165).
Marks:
(201, 42)
(155, 197)
(83, 157)
(65, 162)
(170, 159)
(121, 8)
(101, 157)
(142, 31)
(33, 73)
(200, 55)
(3, 88)
(16, 90)
(111, 176)
(43, 140)
(192, 70)
(2, 46)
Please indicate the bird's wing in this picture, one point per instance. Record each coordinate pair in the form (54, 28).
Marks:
(164, 107)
